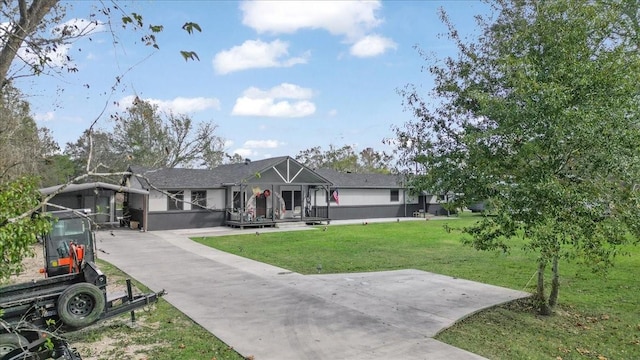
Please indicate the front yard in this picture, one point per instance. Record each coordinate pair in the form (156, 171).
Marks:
(597, 317)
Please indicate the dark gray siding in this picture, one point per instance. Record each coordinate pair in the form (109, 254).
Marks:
(370, 211)
(187, 219)
(341, 212)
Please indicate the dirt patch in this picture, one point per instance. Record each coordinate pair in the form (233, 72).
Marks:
(30, 267)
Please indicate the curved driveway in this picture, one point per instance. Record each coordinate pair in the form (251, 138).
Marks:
(272, 313)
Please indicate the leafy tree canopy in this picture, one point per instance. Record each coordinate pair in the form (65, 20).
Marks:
(346, 159)
(538, 117)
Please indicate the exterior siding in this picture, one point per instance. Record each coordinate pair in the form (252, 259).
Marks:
(370, 212)
(215, 199)
(185, 219)
(340, 212)
(157, 201)
(363, 197)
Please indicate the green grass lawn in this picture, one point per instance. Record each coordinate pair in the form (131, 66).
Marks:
(598, 316)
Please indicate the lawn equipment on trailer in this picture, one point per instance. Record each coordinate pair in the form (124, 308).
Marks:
(73, 295)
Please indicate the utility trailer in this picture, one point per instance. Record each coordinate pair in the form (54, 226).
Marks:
(33, 311)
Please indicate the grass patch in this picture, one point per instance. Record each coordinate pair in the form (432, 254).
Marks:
(161, 332)
(598, 316)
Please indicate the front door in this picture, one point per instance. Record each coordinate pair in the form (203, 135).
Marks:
(261, 206)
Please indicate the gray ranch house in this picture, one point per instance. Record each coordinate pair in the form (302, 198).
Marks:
(263, 193)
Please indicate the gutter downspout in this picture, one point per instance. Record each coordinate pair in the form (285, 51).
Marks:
(145, 212)
(404, 197)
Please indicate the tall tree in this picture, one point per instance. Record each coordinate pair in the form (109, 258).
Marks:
(24, 146)
(313, 157)
(539, 117)
(342, 159)
(346, 159)
(58, 169)
(145, 136)
(25, 19)
(95, 147)
(372, 161)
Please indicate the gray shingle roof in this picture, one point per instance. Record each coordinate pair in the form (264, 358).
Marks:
(219, 176)
(359, 180)
(177, 178)
(234, 173)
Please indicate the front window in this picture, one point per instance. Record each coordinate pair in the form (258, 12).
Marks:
(395, 195)
(292, 199)
(199, 199)
(175, 200)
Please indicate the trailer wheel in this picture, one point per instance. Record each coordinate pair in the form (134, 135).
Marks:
(10, 342)
(80, 305)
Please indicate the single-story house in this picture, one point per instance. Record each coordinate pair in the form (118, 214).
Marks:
(264, 192)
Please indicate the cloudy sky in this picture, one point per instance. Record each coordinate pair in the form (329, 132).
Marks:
(275, 77)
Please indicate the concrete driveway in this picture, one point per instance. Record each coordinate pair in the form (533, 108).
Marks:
(273, 313)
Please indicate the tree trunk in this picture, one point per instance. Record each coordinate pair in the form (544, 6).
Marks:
(543, 305)
(555, 283)
(29, 20)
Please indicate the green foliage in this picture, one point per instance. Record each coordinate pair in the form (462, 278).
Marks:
(190, 26)
(539, 117)
(100, 145)
(58, 169)
(189, 55)
(25, 148)
(17, 231)
(345, 159)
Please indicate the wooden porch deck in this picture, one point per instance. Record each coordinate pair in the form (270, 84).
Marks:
(262, 223)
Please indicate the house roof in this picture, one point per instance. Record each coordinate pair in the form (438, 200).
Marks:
(282, 169)
(360, 180)
(176, 178)
(88, 186)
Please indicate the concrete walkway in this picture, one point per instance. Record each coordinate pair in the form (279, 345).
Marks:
(273, 313)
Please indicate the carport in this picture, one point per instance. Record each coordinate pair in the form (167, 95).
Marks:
(108, 202)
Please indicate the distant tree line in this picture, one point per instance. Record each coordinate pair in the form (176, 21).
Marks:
(346, 159)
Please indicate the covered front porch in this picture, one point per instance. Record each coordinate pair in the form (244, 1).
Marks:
(283, 192)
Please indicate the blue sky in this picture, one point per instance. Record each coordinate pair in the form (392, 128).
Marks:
(275, 77)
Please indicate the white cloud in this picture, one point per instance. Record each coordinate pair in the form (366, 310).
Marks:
(256, 102)
(353, 20)
(349, 18)
(179, 105)
(284, 90)
(372, 45)
(245, 153)
(77, 27)
(333, 112)
(44, 117)
(256, 54)
(262, 144)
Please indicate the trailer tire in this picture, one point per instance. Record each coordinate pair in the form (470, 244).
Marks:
(81, 305)
(10, 342)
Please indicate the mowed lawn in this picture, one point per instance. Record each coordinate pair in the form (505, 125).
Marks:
(598, 316)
